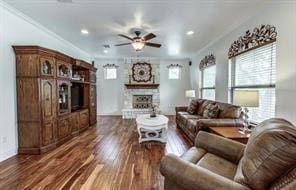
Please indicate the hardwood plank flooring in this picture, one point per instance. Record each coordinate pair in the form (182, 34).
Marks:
(106, 156)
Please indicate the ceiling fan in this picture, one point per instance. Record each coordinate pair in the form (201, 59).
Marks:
(138, 42)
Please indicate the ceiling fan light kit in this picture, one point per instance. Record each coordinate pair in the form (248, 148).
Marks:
(138, 42)
(138, 45)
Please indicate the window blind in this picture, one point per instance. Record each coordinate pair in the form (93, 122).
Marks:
(256, 70)
(208, 83)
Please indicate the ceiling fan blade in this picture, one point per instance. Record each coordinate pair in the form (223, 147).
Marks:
(149, 36)
(153, 44)
(123, 44)
(124, 36)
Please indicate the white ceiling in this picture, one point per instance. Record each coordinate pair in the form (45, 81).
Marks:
(168, 19)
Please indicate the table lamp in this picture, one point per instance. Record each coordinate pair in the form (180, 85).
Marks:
(246, 98)
(190, 94)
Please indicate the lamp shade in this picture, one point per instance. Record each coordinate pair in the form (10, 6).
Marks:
(246, 98)
(190, 93)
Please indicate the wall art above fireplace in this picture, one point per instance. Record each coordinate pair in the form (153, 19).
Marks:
(142, 72)
(260, 36)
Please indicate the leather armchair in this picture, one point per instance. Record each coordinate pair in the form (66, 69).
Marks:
(268, 161)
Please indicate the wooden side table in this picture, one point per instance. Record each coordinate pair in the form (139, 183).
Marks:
(230, 133)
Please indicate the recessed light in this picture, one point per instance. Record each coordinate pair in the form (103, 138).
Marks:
(105, 51)
(191, 32)
(84, 31)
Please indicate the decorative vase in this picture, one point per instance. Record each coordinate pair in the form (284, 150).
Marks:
(153, 114)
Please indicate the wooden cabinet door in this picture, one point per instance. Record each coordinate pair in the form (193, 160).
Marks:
(47, 66)
(83, 120)
(92, 116)
(48, 104)
(64, 128)
(74, 122)
(48, 132)
(48, 99)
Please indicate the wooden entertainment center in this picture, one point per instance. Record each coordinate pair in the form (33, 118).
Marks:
(56, 98)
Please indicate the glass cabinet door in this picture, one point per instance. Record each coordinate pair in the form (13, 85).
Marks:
(47, 66)
(64, 97)
(93, 77)
(64, 70)
(93, 96)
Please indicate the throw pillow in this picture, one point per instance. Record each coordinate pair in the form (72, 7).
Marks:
(231, 112)
(211, 111)
(192, 107)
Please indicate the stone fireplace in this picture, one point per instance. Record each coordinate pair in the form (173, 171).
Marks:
(139, 99)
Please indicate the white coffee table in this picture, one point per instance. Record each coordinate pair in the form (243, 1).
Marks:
(152, 129)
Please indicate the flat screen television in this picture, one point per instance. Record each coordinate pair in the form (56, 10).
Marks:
(76, 97)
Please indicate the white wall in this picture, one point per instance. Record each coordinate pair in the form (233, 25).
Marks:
(282, 15)
(17, 29)
(110, 92)
(172, 92)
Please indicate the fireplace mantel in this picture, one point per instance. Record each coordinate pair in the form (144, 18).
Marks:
(141, 86)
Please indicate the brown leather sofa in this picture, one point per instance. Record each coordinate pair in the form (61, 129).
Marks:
(268, 161)
(229, 115)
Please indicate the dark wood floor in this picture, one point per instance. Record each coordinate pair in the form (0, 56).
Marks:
(107, 156)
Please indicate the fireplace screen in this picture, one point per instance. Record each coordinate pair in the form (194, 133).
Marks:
(142, 101)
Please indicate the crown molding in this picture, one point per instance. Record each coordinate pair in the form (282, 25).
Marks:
(29, 20)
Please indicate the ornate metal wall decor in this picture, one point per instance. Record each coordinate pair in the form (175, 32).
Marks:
(174, 66)
(260, 36)
(110, 66)
(207, 61)
(141, 72)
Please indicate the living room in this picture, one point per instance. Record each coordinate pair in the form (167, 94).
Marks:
(147, 94)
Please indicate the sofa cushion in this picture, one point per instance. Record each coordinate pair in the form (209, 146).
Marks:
(193, 155)
(202, 106)
(184, 116)
(218, 165)
(231, 111)
(191, 109)
(211, 111)
(270, 152)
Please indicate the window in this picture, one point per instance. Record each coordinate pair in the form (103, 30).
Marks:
(110, 73)
(174, 73)
(208, 78)
(256, 70)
